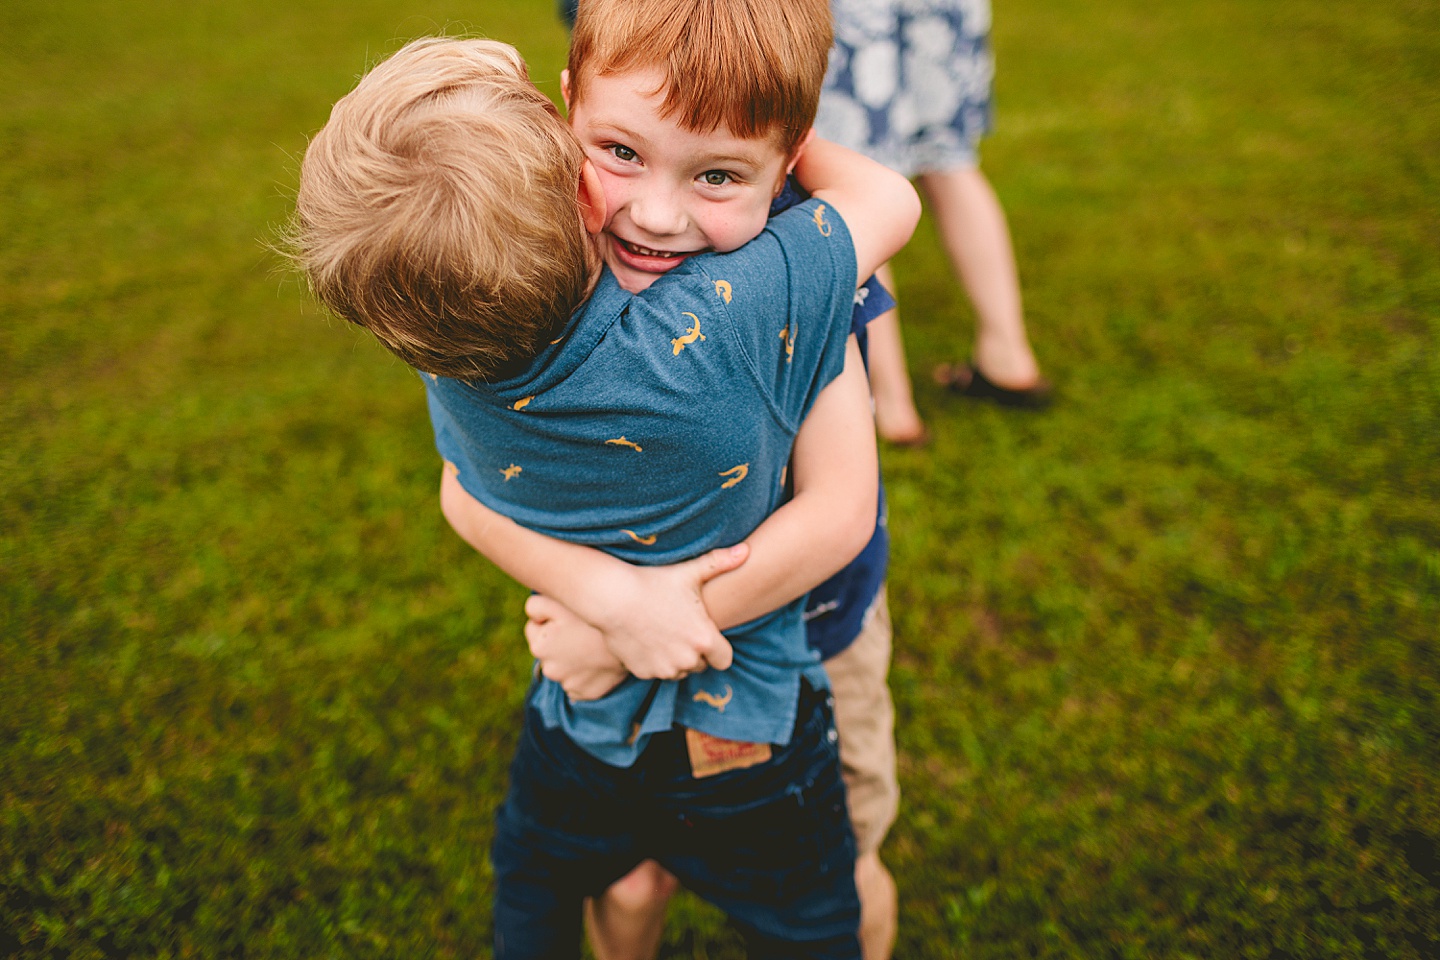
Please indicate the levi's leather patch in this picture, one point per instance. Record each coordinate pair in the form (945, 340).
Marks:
(711, 755)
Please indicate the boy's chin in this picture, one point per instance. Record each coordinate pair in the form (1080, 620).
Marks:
(633, 281)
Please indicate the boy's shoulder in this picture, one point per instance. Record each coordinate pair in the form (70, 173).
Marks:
(799, 244)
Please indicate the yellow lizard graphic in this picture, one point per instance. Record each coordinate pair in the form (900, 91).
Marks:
(639, 539)
(719, 703)
(820, 221)
(511, 472)
(622, 442)
(740, 473)
(789, 343)
(522, 403)
(722, 287)
(690, 337)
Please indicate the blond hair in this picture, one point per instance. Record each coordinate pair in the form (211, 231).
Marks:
(753, 66)
(437, 208)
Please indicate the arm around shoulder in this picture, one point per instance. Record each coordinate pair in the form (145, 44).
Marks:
(831, 516)
(880, 206)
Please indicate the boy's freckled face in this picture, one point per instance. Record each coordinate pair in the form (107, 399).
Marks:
(670, 193)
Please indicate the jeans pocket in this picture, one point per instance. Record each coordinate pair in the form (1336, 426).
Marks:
(784, 840)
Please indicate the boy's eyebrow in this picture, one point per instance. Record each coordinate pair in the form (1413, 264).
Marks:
(739, 159)
(619, 131)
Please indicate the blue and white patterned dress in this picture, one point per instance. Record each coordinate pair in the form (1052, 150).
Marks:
(909, 82)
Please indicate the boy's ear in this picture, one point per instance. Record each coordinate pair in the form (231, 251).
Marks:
(793, 159)
(592, 199)
(799, 149)
(565, 88)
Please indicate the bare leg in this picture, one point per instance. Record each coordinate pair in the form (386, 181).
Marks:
(977, 238)
(879, 907)
(628, 920)
(896, 418)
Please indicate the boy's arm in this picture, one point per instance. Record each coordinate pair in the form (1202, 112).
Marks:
(879, 205)
(829, 519)
(801, 545)
(651, 618)
(798, 547)
(577, 657)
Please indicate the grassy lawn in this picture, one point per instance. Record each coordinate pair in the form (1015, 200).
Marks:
(1166, 660)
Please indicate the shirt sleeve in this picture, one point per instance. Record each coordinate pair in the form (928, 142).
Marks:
(790, 297)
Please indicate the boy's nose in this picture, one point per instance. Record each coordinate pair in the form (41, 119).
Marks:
(658, 212)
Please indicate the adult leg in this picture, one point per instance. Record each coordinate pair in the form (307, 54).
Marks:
(896, 418)
(628, 920)
(973, 228)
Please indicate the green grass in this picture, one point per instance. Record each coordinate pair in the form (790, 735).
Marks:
(1166, 657)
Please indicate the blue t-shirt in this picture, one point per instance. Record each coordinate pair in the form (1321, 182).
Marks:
(658, 427)
(835, 610)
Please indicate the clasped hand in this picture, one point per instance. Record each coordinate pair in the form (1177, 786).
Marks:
(655, 627)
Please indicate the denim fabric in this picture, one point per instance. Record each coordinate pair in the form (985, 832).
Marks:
(770, 845)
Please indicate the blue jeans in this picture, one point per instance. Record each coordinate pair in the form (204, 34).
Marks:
(770, 845)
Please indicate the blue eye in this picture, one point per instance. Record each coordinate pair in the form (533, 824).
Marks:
(716, 178)
(623, 152)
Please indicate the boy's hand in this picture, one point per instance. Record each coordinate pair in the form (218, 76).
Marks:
(571, 652)
(659, 628)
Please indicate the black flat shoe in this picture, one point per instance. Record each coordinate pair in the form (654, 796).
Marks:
(966, 380)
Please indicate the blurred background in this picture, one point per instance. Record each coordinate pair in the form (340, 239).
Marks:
(1166, 663)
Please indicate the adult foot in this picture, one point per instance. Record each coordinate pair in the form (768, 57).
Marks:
(966, 380)
(901, 427)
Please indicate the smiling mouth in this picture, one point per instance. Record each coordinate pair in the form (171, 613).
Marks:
(640, 251)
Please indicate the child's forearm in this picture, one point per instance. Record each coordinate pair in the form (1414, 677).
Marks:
(801, 545)
(880, 206)
(573, 573)
(652, 617)
(831, 516)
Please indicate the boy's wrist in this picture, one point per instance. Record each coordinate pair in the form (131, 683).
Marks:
(601, 598)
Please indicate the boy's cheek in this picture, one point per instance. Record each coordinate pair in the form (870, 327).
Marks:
(743, 230)
(616, 195)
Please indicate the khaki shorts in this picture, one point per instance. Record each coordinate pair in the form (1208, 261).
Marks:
(865, 719)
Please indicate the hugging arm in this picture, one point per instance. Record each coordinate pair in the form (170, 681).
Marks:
(650, 621)
(880, 206)
(598, 617)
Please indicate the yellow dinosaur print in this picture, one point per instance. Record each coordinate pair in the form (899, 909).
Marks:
(622, 442)
(820, 221)
(722, 287)
(789, 339)
(639, 539)
(511, 472)
(740, 473)
(522, 403)
(690, 337)
(719, 703)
